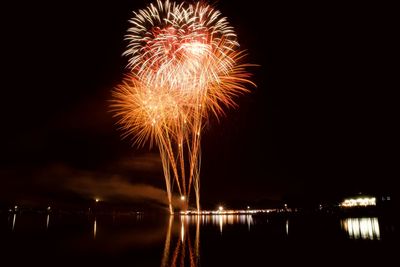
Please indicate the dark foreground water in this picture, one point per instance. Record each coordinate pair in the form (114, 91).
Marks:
(215, 240)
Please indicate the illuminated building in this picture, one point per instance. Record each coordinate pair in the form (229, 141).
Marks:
(361, 201)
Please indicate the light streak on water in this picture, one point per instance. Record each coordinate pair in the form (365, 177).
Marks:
(94, 229)
(14, 219)
(221, 220)
(182, 230)
(221, 223)
(165, 259)
(287, 227)
(362, 228)
(249, 220)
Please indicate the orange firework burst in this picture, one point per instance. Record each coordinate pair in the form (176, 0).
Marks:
(183, 61)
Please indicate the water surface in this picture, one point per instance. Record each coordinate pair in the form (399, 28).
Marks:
(212, 240)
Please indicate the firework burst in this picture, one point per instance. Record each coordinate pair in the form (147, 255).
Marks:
(184, 66)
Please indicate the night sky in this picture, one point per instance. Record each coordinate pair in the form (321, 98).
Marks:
(320, 124)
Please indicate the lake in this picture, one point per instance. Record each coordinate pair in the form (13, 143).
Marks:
(138, 239)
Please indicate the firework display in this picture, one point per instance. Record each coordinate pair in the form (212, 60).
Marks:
(184, 66)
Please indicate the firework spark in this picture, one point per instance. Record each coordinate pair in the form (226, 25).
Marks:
(183, 62)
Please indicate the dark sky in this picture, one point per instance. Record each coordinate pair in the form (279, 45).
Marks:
(322, 121)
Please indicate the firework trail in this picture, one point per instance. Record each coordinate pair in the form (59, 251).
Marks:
(183, 67)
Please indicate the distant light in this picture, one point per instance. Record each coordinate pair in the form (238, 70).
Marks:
(97, 200)
(220, 208)
(16, 207)
(248, 207)
(285, 205)
(182, 198)
(360, 201)
(48, 208)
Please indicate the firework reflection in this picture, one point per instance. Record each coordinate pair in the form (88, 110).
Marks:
(180, 250)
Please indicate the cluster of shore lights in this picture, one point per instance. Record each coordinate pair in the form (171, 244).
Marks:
(222, 211)
(359, 202)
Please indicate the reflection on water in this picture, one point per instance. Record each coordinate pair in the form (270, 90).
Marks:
(47, 221)
(287, 227)
(94, 228)
(222, 220)
(181, 250)
(153, 240)
(362, 228)
(14, 219)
